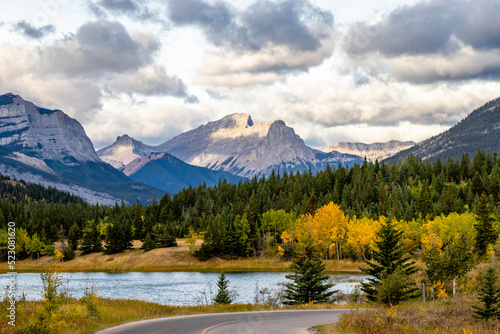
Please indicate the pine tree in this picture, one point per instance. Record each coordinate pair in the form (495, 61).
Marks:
(308, 277)
(149, 243)
(74, 236)
(489, 295)
(115, 242)
(223, 294)
(485, 233)
(69, 254)
(388, 258)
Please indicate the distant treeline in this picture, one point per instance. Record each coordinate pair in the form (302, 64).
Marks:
(408, 190)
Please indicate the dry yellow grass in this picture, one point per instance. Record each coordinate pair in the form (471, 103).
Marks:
(434, 317)
(166, 259)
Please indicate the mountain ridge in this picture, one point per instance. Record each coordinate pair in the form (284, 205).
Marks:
(375, 151)
(49, 147)
(237, 145)
(480, 129)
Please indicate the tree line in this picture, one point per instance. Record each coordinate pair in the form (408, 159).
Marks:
(249, 218)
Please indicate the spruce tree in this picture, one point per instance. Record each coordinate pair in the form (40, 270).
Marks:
(308, 278)
(485, 233)
(489, 295)
(223, 294)
(389, 258)
(149, 243)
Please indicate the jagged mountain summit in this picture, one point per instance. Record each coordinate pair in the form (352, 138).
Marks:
(42, 133)
(372, 152)
(479, 130)
(123, 151)
(237, 145)
(49, 147)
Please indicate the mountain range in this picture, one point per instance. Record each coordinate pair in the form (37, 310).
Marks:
(234, 144)
(48, 147)
(159, 169)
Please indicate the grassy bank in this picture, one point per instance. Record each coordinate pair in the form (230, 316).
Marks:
(166, 259)
(74, 317)
(436, 317)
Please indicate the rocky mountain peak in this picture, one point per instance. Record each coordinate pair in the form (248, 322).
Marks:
(239, 120)
(43, 133)
(123, 151)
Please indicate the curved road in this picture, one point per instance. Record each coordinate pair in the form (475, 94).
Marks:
(272, 322)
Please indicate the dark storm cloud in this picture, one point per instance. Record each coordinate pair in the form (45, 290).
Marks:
(429, 27)
(35, 33)
(262, 24)
(101, 47)
(480, 26)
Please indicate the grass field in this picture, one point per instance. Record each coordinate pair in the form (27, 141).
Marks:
(434, 317)
(166, 259)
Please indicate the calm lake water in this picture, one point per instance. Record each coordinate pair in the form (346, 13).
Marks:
(172, 288)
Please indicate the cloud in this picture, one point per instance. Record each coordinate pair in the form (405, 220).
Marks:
(150, 80)
(438, 40)
(430, 27)
(264, 42)
(136, 10)
(119, 5)
(34, 33)
(296, 24)
(99, 48)
(191, 99)
(101, 60)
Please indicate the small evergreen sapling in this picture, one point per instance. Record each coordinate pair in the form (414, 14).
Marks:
(223, 296)
(489, 295)
(149, 243)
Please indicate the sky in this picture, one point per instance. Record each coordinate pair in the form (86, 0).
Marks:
(360, 71)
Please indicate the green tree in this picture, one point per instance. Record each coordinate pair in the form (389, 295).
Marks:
(388, 258)
(309, 277)
(223, 294)
(457, 260)
(489, 295)
(115, 241)
(149, 243)
(69, 254)
(74, 236)
(485, 233)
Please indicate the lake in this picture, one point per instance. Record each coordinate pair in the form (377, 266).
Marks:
(171, 288)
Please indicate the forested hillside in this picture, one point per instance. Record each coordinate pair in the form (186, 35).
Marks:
(249, 218)
(479, 130)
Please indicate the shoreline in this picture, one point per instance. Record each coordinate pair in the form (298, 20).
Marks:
(172, 259)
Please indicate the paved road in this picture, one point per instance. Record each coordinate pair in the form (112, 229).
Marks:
(273, 322)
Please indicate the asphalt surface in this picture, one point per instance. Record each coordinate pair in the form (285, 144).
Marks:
(272, 322)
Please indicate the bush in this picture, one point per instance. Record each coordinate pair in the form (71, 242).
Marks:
(395, 288)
